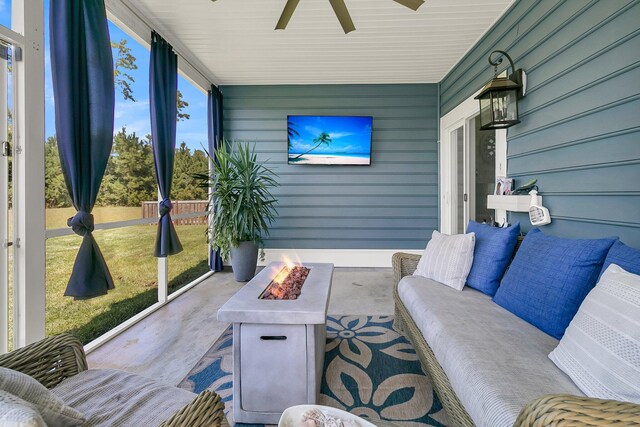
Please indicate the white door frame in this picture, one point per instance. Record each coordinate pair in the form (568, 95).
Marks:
(455, 118)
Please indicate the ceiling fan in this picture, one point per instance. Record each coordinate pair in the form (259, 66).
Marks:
(339, 8)
(341, 11)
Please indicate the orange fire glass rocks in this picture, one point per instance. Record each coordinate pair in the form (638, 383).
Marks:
(287, 285)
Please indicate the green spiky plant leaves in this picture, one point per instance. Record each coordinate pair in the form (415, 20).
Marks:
(241, 204)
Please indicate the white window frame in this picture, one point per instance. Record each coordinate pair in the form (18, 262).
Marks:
(27, 34)
(460, 116)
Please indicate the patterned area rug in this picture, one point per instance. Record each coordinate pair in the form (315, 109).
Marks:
(369, 370)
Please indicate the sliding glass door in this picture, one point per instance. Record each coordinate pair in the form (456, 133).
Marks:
(470, 160)
(481, 169)
(473, 173)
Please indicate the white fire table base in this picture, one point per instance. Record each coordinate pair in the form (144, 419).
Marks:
(278, 345)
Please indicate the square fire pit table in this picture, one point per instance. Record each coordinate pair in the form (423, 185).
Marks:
(278, 345)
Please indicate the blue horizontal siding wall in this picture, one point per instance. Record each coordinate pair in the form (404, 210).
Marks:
(391, 204)
(580, 130)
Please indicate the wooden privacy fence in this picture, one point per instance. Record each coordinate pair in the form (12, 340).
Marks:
(150, 210)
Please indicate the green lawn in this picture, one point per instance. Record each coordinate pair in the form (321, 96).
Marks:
(129, 255)
(57, 218)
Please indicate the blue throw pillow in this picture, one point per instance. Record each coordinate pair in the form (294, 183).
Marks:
(550, 277)
(491, 256)
(626, 257)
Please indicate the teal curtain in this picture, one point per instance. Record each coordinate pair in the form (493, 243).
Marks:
(163, 89)
(83, 88)
(214, 122)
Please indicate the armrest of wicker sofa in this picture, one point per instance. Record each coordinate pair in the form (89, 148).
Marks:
(49, 361)
(404, 264)
(206, 410)
(564, 409)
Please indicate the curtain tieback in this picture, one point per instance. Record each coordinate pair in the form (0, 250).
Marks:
(81, 223)
(164, 207)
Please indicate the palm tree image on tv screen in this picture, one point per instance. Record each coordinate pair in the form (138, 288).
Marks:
(329, 140)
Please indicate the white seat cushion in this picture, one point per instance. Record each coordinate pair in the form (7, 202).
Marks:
(495, 361)
(108, 397)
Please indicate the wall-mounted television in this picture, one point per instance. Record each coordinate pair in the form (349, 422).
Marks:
(329, 140)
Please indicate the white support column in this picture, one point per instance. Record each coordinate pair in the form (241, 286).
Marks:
(163, 270)
(4, 206)
(163, 279)
(28, 175)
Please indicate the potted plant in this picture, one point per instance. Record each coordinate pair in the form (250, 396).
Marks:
(241, 206)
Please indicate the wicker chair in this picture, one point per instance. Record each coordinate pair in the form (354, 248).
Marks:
(552, 410)
(55, 358)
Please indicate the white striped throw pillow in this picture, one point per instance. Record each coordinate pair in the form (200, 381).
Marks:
(447, 259)
(600, 350)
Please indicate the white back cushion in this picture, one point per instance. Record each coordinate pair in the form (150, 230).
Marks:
(447, 259)
(600, 350)
(52, 409)
(15, 412)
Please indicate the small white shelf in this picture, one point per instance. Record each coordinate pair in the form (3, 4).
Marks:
(510, 203)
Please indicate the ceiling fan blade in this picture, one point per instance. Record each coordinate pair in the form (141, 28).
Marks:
(288, 10)
(411, 4)
(343, 16)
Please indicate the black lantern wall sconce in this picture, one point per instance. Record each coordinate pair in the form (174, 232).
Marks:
(499, 98)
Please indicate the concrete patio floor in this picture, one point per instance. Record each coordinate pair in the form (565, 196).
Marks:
(169, 342)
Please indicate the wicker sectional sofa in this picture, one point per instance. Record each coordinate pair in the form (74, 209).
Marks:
(109, 397)
(497, 378)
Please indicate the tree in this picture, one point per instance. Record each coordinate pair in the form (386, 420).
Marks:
(55, 190)
(125, 61)
(130, 174)
(186, 165)
(130, 178)
(292, 132)
(182, 105)
(323, 138)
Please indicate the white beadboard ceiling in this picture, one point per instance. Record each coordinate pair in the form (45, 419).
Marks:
(236, 40)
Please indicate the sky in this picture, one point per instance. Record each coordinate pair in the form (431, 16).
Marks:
(348, 134)
(132, 115)
(5, 13)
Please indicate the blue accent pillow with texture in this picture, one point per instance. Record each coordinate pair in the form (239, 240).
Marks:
(550, 277)
(620, 254)
(491, 256)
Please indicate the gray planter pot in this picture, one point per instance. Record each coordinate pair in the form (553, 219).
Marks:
(244, 260)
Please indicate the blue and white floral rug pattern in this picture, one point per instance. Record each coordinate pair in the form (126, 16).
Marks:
(370, 370)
